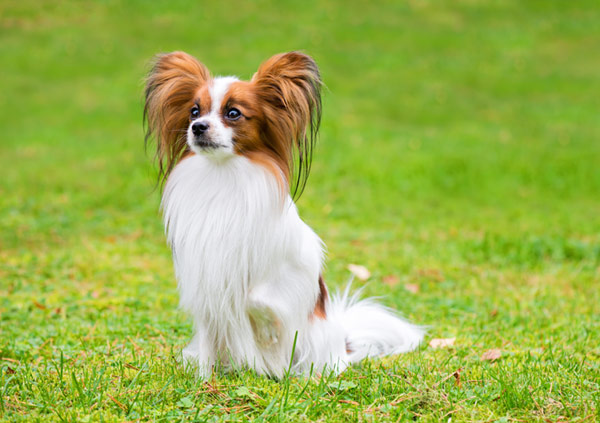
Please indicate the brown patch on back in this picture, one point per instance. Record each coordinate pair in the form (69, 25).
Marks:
(319, 310)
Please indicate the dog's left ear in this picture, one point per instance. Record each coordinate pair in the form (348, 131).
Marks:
(290, 84)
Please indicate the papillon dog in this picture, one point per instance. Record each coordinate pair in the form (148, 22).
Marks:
(249, 270)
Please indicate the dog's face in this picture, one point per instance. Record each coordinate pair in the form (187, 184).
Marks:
(264, 119)
(225, 118)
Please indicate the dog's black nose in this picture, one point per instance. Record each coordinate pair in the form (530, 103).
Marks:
(199, 128)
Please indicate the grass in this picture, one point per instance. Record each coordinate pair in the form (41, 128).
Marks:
(458, 161)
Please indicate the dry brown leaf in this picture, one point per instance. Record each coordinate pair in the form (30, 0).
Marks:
(412, 287)
(441, 342)
(491, 355)
(457, 377)
(40, 306)
(361, 272)
(391, 280)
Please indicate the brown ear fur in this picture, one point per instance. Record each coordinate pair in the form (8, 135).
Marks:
(170, 88)
(290, 84)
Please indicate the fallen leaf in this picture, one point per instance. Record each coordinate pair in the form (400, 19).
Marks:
(391, 280)
(441, 342)
(411, 287)
(361, 272)
(456, 375)
(491, 355)
(40, 306)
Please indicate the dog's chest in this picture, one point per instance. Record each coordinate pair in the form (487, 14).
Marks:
(226, 227)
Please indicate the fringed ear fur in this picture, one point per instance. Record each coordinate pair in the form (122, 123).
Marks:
(170, 88)
(290, 85)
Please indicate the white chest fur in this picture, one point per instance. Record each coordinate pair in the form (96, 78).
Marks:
(233, 234)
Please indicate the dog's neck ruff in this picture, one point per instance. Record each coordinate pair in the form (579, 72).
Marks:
(221, 219)
(225, 223)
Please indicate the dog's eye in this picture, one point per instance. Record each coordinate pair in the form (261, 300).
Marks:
(195, 112)
(233, 114)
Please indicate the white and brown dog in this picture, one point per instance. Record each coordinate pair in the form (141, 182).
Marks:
(248, 268)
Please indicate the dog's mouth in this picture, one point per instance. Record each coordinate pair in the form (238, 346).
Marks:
(206, 144)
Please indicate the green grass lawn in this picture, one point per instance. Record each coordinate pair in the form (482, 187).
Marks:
(459, 161)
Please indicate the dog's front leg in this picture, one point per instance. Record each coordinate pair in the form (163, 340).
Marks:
(277, 310)
(199, 353)
(266, 322)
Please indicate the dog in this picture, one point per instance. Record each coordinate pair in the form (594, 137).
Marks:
(249, 270)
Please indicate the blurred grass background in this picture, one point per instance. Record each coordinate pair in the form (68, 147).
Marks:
(459, 157)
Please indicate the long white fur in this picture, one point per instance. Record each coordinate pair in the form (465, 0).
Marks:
(247, 269)
(238, 247)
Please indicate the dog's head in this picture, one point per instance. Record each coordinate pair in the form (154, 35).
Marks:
(271, 119)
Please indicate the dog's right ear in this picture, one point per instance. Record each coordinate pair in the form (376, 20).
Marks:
(170, 89)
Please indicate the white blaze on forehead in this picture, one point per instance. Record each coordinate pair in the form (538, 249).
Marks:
(218, 89)
(218, 133)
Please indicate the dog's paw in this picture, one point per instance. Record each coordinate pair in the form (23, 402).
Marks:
(265, 324)
(196, 356)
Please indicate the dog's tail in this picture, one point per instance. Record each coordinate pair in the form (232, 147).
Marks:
(353, 329)
(372, 329)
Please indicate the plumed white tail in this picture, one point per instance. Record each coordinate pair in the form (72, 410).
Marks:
(372, 329)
